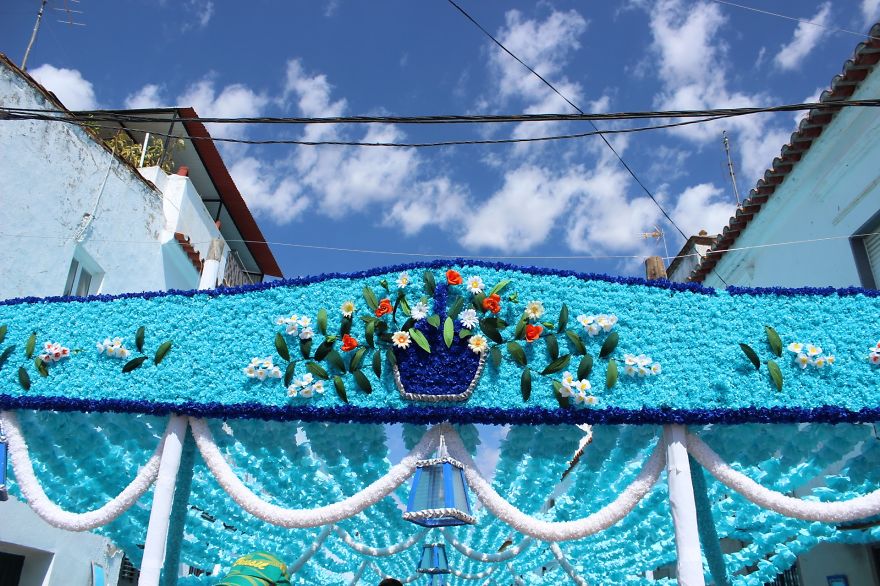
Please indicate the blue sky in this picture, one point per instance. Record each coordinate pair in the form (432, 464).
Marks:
(563, 199)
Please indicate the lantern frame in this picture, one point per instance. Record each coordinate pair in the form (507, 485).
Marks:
(436, 563)
(451, 513)
(4, 457)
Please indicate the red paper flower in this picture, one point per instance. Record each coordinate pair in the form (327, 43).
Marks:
(492, 303)
(453, 277)
(384, 307)
(533, 332)
(349, 343)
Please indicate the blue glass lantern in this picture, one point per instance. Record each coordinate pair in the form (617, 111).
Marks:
(434, 559)
(438, 496)
(3, 455)
(437, 580)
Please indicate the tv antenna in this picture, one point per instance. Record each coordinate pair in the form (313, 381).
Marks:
(69, 12)
(730, 168)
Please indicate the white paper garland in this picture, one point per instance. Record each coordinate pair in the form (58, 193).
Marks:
(501, 556)
(827, 512)
(566, 565)
(312, 550)
(359, 573)
(33, 492)
(304, 518)
(378, 551)
(382, 575)
(475, 576)
(564, 530)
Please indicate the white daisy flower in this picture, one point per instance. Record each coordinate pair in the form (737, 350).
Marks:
(813, 350)
(630, 370)
(304, 322)
(318, 387)
(630, 359)
(402, 280)
(275, 372)
(803, 360)
(656, 368)
(795, 347)
(820, 362)
(477, 344)
(606, 322)
(306, 334)
(306, 379)
(582, 385)
(534, 309)
(830, 360)
(593, 329)
(475, 285)
(585, 320)
(468, 318)
(643, 370)
(643, 360)
(291, 329)
(306, 392)
(567, 379)
(419, 310)
(566, 391)
(591, 401)
(401, 340)
(292, 390)
(347, 308)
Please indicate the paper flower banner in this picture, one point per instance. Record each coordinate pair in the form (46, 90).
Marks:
(459, 341)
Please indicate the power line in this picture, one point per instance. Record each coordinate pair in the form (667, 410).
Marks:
(570, 103)
(801, 20)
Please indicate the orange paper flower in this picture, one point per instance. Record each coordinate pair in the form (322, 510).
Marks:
(348, 343)
(492, 303)
(533, 332)
(384, 307)
(453, 277)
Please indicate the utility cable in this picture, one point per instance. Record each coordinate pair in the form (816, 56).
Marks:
(801, 20)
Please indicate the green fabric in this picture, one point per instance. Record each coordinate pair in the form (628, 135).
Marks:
(257, 569)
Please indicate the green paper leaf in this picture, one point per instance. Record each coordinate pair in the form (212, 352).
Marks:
(288, 373)
(775, 374)
(345, 326)
(434, 320)
(495, 355)
(370, 298)
(321, 318)
(377, 364)
(609, 345)
(520, 331)
(23, 379)
(611, 374)
(564, 402)
(3, 330)
(390, 357)
(430, 284)
(419, 338)
(488, 327)
(577, 345)
(369, 329)
(161, 351)
(134, 363)
(517, 353)
(281, 347)
(317, 370)
(552, 346)
(774, 341)
(448, 331)
(339, 384)
(5, 355)
(362, 381)
(751, 355)
(464, 333)
(585, 367)
(403, 303)
(336, 360)
(557, 365)
(477, 302)
(456, 307)
(500, 286)
(323, 350)
(30, 345)
(357, 359)
(563, 318)
(305, 348)
(139, 339)
(525, 384)
(41, 367)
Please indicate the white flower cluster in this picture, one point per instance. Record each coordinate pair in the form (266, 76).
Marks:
(53, 352)
(640, 365)
(579, 389)
(874, 356)
(293, 324)
(261, 369)
(306, 387)
(113, 348)
(809, 355)
(597, 323)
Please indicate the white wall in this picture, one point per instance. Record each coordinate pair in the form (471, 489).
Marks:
(831, 559)
(54, 557)
(832, 191)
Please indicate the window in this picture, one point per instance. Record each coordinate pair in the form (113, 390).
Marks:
(84, 275)
(866, 250)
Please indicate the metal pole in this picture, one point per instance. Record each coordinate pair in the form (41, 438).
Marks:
(144, 150)
(27, 51)
(163, 498)
(689, 562)
(211, 268)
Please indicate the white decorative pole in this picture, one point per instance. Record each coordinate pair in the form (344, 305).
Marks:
(163, 497)
(689, 565)
(211, 268)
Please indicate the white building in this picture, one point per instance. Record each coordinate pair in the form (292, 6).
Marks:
(80, 220)
(812, 220)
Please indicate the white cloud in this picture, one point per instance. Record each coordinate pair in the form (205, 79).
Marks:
(871, 10)
(149, 96)
(233, 101)
(703, 207)
(198, 13)
(74, 91)
(806, 37)
(268, 191)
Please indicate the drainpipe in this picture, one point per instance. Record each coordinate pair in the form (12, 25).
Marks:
(211, 268)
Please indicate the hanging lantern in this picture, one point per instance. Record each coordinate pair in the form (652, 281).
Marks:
(434, 560)
(3, 451)
(438, 496)
(437, 580)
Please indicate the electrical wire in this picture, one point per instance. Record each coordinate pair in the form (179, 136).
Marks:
(802, 20)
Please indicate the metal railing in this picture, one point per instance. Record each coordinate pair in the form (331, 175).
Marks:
(234, 273)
